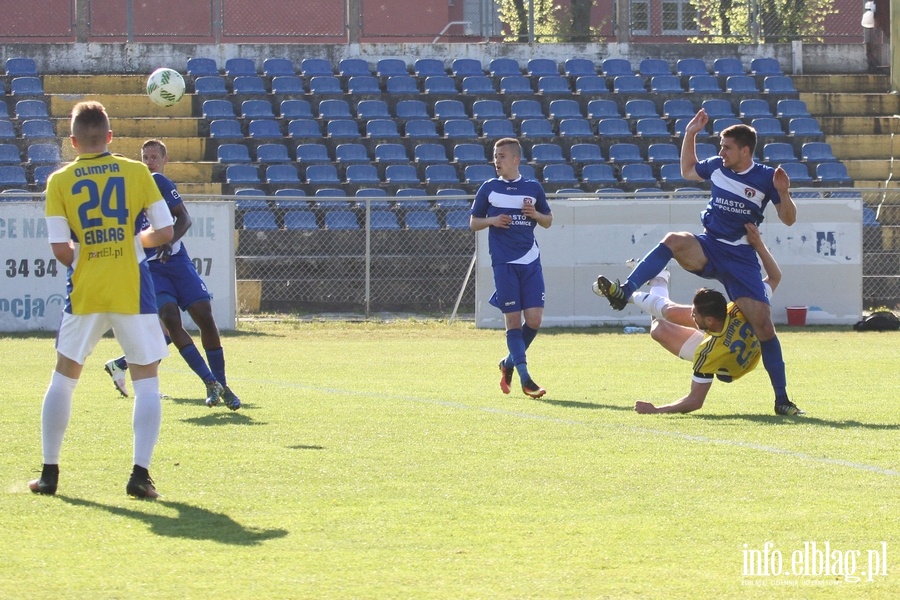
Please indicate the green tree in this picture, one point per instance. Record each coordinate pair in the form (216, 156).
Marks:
(554, 20)
(769, 21)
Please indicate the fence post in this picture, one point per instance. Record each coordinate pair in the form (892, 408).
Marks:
(82, 20)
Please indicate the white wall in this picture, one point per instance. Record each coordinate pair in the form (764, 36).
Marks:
(594, 237)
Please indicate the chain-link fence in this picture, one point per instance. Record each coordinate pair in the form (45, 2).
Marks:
(881, 249)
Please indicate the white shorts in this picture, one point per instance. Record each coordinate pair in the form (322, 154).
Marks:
(690, 346)
(140, 336)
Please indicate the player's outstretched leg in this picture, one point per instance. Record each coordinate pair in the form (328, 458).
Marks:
(612, 291)
(116, 369)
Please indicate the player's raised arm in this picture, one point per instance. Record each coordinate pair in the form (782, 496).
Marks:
(786, 209)
(689, 147)
(770, 266)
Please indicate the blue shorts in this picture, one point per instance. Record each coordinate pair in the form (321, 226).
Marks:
(518, 287)
(736, 267)
(176, 280)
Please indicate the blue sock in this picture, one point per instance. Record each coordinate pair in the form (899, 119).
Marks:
(216, 360)
(774, 363)
(516, 344)
(528, 335)
(192, 357)
(649, 267)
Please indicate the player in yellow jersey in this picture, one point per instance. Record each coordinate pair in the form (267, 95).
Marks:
(94, 205)
(712, 332)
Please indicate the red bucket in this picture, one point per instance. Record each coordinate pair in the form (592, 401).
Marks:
(796, 315)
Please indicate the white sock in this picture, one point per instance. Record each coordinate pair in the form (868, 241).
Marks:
(55, 414)
(649, 303)
(659, 287)
(146, 420)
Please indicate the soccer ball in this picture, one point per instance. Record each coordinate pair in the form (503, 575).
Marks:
(165, 87)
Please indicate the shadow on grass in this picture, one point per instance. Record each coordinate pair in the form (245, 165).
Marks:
(585, 405)
(222, 416)
(305, 447)
(191, 523)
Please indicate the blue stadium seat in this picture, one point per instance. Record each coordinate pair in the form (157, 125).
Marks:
(372, 109)
(671, 173)
(334, 109)
(536, 129)
(441, 174)
(515, 84)
(753, 108)
(628, 84)
(640, 109)
(421, 129)
(264, 129)
(9, 154)
(439, 85)
(651, 127)
(304, 129)
(553, 85)
(36, 129)
(363, 85)
(547, 153)
(704, 150)
(817, 152)
(725, 122)
(383, 220)
(42, 172)
(798, 172)
(717, 109)
(579, 67)
(767, 126)
(233, 154)
(421, 219)
(457, 219)
(559, 174)
(504, 67)
(249, 85)
(479, 173)
(569, 128)
(703, 84)
(198, 67)
(260, 220)
(666, 84)
(591, 85)
(241, 174)
(663, 153)
(833, 172)
(526, 109)
(237, 67)
(602, 109)
(497, 128)
(624, 153)
(608, 128)
(564, 109)
(246, 201)
(19, 66)
(428, 67)
(308, 154)
(778, 84)
(477, 85)
(391, 153)
(402, 84)
(300, 220)
(401, 174)
(652, 67)
(289, 193)
(342, 129)
(12, 175)
(391, 67)
(272, 154)
(287, 85)
(741, 84)
(318, 174)
(584, 153)
(372, 197)
(412, 109)
(765, 66)
(464, 67)
(278, 67)
(382, 129)
(449, 109)
(459, 128)
(541, 67)
(726, 67)
(26, 86)
(210, 85)
(790, 109)
(362, 174)
(325, 85)
(256, 109)
(678, 109)
(488, 109)
(217, 109)
(353, 67)
(8, 132)
(315, 67)
(351, 153)
(638, 173)
(282, 175)
(778, 152)
(343, 220)
(614, 67)
(469, 153)
(598, 175)
(428, 153)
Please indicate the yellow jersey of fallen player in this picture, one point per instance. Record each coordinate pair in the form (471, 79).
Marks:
(730, 353)
(101, 197)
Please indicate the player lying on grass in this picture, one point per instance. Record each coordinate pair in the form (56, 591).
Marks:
(712, 332)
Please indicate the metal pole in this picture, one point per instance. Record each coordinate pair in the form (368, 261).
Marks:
(530, 21)
(129, 18)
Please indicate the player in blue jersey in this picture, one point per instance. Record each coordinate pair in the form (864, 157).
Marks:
(510, 207)
(179, 287)
(94, 209)
(710, 332)
(741, 190)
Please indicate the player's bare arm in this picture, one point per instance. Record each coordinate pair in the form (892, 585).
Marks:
(786, 209)
(531, 212)
(182, 224)
(688, 146)
(770, 266)
(479, 223)
(693, 401)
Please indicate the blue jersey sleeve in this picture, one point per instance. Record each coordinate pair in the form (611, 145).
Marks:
(167, 189)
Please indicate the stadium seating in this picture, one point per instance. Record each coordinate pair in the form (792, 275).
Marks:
(412, 109)
(277, 67)
(238, 67)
